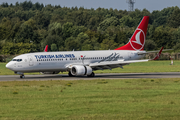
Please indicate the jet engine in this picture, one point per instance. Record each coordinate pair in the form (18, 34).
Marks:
(81, 70)
(50, 72)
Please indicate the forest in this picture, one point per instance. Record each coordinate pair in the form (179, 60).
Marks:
(27, 27)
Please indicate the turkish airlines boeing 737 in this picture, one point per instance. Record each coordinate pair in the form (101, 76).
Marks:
(79, 63)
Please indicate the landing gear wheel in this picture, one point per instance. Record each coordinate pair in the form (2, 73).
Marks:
(70, 75)
(91, 75)
(22, 76)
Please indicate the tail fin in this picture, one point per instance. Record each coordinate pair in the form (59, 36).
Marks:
(137, 41)
(46, 48)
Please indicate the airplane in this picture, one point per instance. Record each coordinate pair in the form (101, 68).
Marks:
(83, 63)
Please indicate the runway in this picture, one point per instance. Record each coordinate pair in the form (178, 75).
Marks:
(97, 76)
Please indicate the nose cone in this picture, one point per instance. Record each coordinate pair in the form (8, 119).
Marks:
(9, 66)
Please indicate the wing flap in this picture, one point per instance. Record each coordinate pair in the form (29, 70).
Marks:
(110, 63)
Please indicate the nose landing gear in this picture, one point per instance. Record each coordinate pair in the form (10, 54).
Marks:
(21, 74)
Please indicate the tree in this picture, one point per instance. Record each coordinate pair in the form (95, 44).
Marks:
(55, 29)
(113, 21)
(7, 49)
(53, 47)
(150, 45)
(163, 37)
(42, 19)
(72, 44)
(90, 44)
(67, 30)
(108, 44)
(127, 21)
(25, 34)
(174, 20)
(82, 37)
(51, 39)
(4, 4)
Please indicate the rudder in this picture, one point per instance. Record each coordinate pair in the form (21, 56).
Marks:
(137, 40)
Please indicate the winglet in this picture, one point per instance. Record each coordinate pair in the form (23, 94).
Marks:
(158, 55)
(46, 48)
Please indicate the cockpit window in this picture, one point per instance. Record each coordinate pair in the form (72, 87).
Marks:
(18, 60)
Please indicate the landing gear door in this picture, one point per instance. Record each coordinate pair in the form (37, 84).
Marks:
(30, 59)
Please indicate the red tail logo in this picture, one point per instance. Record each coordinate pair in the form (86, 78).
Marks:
(137, 41)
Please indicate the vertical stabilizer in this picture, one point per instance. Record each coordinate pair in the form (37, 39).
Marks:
(137, 40)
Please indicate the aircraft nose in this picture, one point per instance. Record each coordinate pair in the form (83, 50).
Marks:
(9, 66)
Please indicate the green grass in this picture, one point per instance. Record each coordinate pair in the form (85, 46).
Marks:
(143, 67)
(91, 100)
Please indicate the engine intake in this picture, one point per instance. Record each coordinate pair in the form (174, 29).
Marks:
(81, 70)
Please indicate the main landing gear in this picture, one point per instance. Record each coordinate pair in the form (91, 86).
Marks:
(22, 76)
(70, 75)
(91, 75)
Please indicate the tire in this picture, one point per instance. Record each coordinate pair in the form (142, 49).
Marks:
(22, 76)
(91, 75)
(70, 75)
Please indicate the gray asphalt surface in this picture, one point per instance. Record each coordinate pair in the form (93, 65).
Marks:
(97, 76)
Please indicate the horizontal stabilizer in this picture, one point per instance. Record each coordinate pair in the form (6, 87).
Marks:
(142, 53)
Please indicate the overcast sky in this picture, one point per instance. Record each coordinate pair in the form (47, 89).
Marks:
(115, 4)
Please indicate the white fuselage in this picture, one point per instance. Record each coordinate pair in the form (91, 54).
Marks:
(60, 61)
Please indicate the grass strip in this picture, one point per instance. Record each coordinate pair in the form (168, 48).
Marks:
(94, 99)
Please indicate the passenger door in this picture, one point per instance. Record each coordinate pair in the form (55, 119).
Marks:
(31, 63)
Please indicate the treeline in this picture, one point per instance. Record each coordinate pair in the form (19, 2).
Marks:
(28, 27)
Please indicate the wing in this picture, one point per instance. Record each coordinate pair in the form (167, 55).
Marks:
(112, 64)
(115, 64)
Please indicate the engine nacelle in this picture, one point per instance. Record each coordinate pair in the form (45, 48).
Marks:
(49, 72)
(81, 70)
